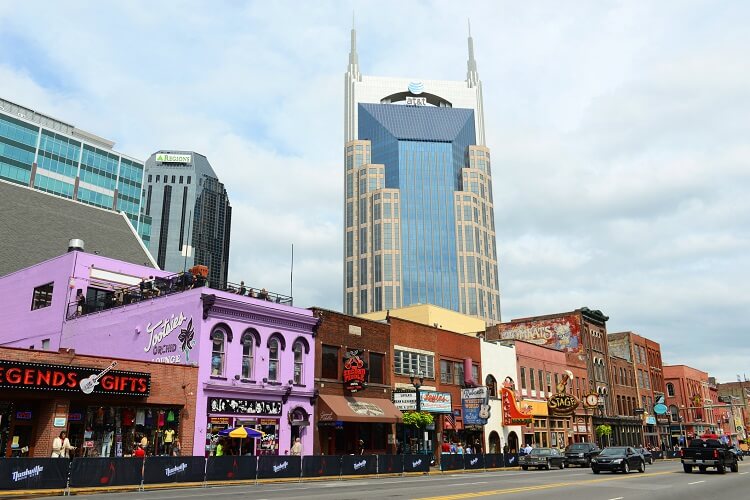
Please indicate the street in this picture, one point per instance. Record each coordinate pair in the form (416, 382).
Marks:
(663, 480)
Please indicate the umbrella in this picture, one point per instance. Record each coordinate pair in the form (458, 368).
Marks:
(241, 432)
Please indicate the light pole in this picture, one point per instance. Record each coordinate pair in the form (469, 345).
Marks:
(417, 380)
(682, 432)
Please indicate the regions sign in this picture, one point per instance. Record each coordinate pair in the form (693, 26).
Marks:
(173, 158)
(562, 334)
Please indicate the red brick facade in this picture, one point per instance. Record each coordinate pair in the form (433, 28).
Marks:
(171, 385)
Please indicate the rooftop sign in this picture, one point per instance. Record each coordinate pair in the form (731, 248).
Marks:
(173, 158)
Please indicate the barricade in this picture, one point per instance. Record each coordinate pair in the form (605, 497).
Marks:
(451, 462)
(94, 472)
(493, 461)
(228, 468)
(657, 454)
(174, 470)
(510, 459)
(417, 463)
(359, 464)
(278, 467)
(473, 462)
(33, 473)
(321, 465)
(392, 464)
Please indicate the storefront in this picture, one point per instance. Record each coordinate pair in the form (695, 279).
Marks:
(103, 409)
(344, 421)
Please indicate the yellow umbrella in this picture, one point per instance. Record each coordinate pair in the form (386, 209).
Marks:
(241, 433)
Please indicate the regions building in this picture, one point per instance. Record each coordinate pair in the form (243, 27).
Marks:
(419, 213)
(192, 218)
(50, 155)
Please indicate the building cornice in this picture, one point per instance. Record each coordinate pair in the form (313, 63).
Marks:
(216, 306)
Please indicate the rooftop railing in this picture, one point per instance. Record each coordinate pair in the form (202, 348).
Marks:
(157, 287)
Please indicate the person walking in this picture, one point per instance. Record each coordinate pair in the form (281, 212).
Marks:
(297, 447)
(176, 448)
(61, 446)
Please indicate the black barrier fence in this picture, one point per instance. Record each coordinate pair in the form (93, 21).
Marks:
(391, 464)
(321, 465)
(359, 464)
(473, 462)
(33, 473)
(657, 454)
(105, 472)
(416, 463)
(510, 459)
(231, 468)
(174, 470)
(279, 467)
(451, 462)
(493, 461)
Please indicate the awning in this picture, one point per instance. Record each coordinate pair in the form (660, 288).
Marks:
(354, 409)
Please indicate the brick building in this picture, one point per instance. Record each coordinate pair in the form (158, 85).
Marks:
(737, 395)
(626, 407)
(689, 401)
(343, 416)
(443, 359)
(40, 396)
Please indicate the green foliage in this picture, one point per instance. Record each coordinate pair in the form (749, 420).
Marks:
(603, 430)
(418, 419)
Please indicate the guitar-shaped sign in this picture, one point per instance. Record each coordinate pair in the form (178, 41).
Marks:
(88, 384)
(484, 411)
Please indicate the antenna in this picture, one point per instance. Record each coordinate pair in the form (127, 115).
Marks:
(291, 277)
(468, 21)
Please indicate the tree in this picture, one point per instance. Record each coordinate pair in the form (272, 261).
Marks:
(418, 419)
(604, 430)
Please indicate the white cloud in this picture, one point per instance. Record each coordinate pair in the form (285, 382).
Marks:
(618, 135)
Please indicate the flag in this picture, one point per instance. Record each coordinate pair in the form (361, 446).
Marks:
(450, 420)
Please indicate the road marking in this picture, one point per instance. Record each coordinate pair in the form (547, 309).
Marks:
(541, 487)
(743, 473)
(697, 482)
(616, 498)
(466, 484)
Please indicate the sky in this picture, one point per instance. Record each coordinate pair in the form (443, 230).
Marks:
(618, 131)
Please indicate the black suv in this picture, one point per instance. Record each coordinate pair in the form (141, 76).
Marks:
(581, 454)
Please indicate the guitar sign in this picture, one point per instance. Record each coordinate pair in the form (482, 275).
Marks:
(87, 385)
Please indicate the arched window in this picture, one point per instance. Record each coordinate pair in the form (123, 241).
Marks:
(248, 355)
(273, 360)
(217, 352)
(670, 389)
(491, 384)
(298, 350)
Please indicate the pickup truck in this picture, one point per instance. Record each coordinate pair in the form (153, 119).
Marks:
(705, 453)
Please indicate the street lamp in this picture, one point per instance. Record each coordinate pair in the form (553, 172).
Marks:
(682, 432)
(417, 380)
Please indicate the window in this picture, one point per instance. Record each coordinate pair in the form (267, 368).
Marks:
(188, 179)
(273, 360)
(475, 373)
(670, 389)
(45, 345)
(247, 355)
(330, 362)
(42, 296)
(376, 368)
(549, 382)
(217, 353)
(531, 378)
(541, 380)
(298, 364)
(446, 372)
(523, 377)
(458, 373)
(407, 362)
(491, 384)
(181, 179)
(173, 180)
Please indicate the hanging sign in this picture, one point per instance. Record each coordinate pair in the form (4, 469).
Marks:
(561, 403)
(355, 371)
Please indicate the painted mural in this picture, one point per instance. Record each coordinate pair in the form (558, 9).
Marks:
(562, 334)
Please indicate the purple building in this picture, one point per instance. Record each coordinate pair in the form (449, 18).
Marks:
(254, 356)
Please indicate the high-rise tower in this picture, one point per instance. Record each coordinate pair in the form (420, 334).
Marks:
(419, 223)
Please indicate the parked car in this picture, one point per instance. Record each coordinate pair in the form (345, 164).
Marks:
(618, 459)
(705, 453)
(646, 454)
(581, 454)
(542, 458)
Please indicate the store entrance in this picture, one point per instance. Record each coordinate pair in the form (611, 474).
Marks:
(17, 428)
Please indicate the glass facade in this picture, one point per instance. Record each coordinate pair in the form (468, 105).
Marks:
(69, 167)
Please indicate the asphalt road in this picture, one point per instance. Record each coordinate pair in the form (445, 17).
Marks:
(663, 480)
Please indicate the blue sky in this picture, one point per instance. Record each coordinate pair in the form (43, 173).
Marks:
(618, 132)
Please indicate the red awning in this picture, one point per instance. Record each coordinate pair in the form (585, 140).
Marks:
(351, 409)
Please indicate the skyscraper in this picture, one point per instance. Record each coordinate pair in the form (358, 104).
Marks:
(50, 155)
(192, 218)
(419, 219)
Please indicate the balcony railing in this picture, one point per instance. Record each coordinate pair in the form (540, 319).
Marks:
(158, 287)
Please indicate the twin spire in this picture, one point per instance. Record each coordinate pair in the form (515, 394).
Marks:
(472, 74)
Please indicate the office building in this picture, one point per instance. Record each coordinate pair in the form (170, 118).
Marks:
(419, 216)
(50, 155)
(191, 215)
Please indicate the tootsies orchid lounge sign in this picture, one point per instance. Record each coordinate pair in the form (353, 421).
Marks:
(42, 377)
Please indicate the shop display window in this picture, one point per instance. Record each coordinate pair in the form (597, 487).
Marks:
(105, 431)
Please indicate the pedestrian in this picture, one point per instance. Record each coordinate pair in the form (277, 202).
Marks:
(445, 447)
(468, 449)
(361, 448)
(297, 447)
(460, 448)
(80, 302)
(61, 446)
(176, 448)
(220, 449)
(454, 448)
(139, 452)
